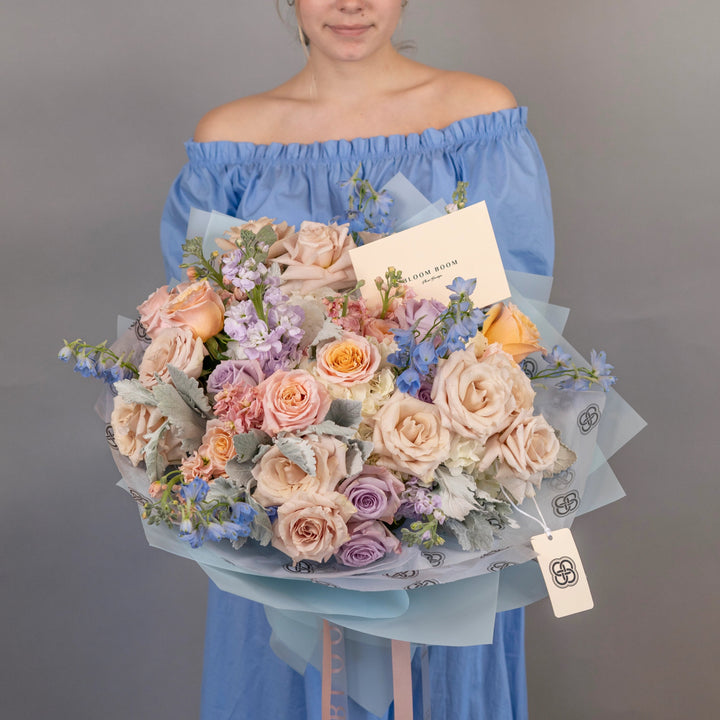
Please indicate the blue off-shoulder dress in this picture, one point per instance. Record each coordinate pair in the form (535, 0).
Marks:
(498, 157)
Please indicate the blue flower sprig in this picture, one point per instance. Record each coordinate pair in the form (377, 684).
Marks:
(367, 208)
(560, 365)
(417, 357)
(97, 361)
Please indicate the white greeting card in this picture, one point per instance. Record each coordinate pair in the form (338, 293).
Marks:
(433, 254)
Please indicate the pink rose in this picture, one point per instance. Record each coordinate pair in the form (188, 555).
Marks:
(198, 307)
(351, 360)
(369, 541)
(311, 526)
(177, 346)
(409, 435)
(217, 445)
(317, 256)
(477, 398)
(278, 479)
(133, 424)
(292, 400)
(379, 328)
(375, 493)
(151, 310)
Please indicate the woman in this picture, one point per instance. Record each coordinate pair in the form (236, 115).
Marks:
(283, 154)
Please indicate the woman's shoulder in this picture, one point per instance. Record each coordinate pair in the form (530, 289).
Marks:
(236, 120)
(466, 95)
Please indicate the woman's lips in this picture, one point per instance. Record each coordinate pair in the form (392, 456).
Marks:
(350, 30)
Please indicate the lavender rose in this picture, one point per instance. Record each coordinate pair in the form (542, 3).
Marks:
(374, 493)
(420, 311)
(369, 541)
(231, 372)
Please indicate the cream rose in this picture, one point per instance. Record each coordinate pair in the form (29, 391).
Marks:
(476, 398)
(198, 307)
(311, 526)
(177, 346)
(517, 334)
(525, 450)
(278, 478)
(292, 400)
(317, 256)
(133, 424)
(409, 435)
(351, 360)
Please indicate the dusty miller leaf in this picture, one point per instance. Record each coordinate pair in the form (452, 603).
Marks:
(155, 463)
(329, 331)
(246, 445)
(266, 234)
(346, 413)
(364, 446)
(353, 461)
(474, 533)
(190, 391)
(297, 451)
(240, 474)
(327, 427)
(261, 527)
(189, 424)
(131, 391)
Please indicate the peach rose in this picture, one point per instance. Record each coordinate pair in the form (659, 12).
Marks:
(505, 324)
(132, 426)
(198, 307)
(409, 435)
(526, 449)
(278, 478)
(217, 445)
(317, 256)
(176, 346)
(151, 311)
(311, 526)
(476, 398)
(348, 361)
(292, 400)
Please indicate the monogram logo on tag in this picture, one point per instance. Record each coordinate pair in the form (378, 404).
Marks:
(110, 436)
(436, 559)
(563, 480)
(303, 567)
(588, 418)
(500, 565)
(529, 367)
(137, 497)
(565, 504)
(422, 583)
(563, 572)
(140, 332)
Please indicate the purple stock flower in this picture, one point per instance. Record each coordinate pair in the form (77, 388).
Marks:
(369, 541)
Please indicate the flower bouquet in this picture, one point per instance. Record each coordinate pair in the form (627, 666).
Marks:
(277, 427)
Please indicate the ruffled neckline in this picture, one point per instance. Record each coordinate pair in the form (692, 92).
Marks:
(477, 128)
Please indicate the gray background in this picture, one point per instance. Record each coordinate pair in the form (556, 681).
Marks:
(96, 99)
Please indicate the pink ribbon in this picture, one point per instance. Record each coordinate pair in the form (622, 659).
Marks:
(334, 678)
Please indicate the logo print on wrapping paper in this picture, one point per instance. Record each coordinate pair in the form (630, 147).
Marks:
(435, 559)
(110, 437)
(499, 565)
(421, 584)
(303, 567)
(403, 574)
(140, 332)
(563, 572)
(137, 497)
(589, 418)
(563, 480)
(529, 367)
(563, 505)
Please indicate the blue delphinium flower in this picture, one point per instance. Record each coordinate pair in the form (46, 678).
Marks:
(460, 286)
(65, 353)
(602, 369)
(194, 491)
(85, 365)
(557, 358)
(424, 356)
(196, 537)
(408, 381)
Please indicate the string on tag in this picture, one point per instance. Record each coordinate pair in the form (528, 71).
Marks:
(540, 522)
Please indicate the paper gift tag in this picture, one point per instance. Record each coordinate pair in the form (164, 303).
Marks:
(563, 572)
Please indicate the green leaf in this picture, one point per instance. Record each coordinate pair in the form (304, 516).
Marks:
(261, 527)
(190, 391)
(474, 533)
(190, 426)
(346, 413)
(131, 391)
(297, 451)
(266, 234)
